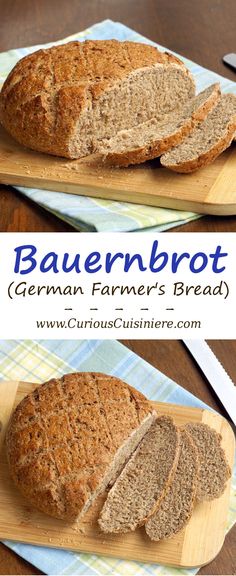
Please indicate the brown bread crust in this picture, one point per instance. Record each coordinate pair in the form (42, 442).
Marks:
(46, 93)
(62, 438)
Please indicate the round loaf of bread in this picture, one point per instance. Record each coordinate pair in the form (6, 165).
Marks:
(69, 439)
(66, 99)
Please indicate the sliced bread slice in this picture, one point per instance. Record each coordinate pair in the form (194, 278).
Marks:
(214, 470)
(176, 507)
(143, 482)
(207, 140)
(152, 138)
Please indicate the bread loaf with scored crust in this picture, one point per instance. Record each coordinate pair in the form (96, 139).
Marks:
(69, 439)
(66, 99)
(74, 436)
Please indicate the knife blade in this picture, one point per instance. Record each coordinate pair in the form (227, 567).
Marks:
(215, 374)
(230, 60)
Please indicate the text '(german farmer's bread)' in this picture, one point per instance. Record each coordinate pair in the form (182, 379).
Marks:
(156, 136)
(207, 141)
(214, 470)
(66, 99)
(143, 482)
(69, 439)
(177, 505)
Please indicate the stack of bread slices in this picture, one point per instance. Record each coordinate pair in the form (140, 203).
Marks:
(87, 434)
(191, 136)
(171, 471)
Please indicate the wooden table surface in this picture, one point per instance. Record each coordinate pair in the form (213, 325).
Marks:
(203, 31)
(184, 371)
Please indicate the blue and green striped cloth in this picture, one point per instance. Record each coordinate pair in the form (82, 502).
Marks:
(90, 214)
(37, 361)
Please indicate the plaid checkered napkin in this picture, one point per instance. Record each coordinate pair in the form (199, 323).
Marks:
(91, 214)
(37, 361)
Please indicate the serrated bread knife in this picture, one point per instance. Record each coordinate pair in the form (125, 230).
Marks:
(215, 374)
(230, 60)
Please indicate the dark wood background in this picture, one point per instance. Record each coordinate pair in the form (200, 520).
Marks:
(203, 30)
(172, 358)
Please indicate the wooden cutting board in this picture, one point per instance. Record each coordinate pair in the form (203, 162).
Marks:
(196, 545)
(211, 190)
